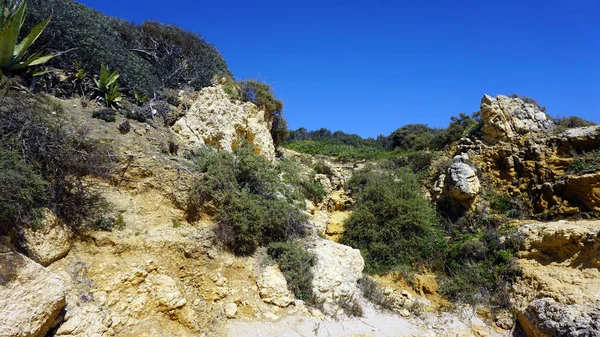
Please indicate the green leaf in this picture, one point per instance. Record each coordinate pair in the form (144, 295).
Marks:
(33, 60)
(35, 32)
(10, 34)
(112, 79)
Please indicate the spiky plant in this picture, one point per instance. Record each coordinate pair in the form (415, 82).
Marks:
(106, 79)
(15, 56)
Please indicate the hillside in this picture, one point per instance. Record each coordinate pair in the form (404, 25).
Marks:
(147, 192)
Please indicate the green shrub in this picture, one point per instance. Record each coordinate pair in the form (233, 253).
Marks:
(178, 57)
(413, 137)
(481, 268)
(146, 55)
(254, 208)
(461, 126)
(295, 263)
(565, 123)
(333, 148)
(313, 191)
(107, 115)
(393, 224)
(91, 38)
(23, 190)
(587, 162)
(322, 168)
(64, 159)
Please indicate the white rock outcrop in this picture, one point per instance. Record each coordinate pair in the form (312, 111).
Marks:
(585, 138)
(49, 243)
(462, 183)
(505, 118)
(272, 287)
(336, 273)
(215, 119)
(31, 297)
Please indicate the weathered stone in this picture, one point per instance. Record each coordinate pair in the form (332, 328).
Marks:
(336, 273)
(273, 289)
(547, 318)
(31, 297)
(462, 182)
(230, 310)
(214, 119)
(505, 118)
(49, 243)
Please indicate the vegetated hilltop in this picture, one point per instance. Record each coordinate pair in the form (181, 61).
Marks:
(149, 193)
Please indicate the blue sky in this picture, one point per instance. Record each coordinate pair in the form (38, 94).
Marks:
(369, 67)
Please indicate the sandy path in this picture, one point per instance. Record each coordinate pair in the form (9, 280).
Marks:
(373, 324)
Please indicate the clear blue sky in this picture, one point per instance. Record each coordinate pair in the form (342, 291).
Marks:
(369, 67)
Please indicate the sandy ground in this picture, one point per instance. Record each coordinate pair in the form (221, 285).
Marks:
(373, 324)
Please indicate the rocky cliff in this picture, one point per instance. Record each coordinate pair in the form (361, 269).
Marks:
(528, 170)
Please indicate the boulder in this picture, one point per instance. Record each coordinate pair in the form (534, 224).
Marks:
(215, 119)
(272, 287)
(336, 273)
(49, 243)
(462, 183)
(505, 118)
(579, 139)
(546, 318)
(31, 297)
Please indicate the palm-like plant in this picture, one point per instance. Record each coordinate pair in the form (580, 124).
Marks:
(106, 79)
(15, 56)
(107, 84)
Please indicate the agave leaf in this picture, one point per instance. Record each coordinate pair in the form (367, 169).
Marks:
(40, 60)
(33, 60)
(9, 35)
(35, 32)
(112, 79)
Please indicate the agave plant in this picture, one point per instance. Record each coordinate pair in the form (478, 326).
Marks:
(15, 56)
(106, 79)
(113, 95)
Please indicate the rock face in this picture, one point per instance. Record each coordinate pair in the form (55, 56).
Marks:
(505, 118)
(540, 170)
(557, 294)
(272, 287)
(50, 243)
(214, 119)
(336, 273)
(462, 182)
(546, 317)
(31, 297)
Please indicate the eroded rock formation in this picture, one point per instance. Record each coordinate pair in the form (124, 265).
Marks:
(217, 120)
(505, 118)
